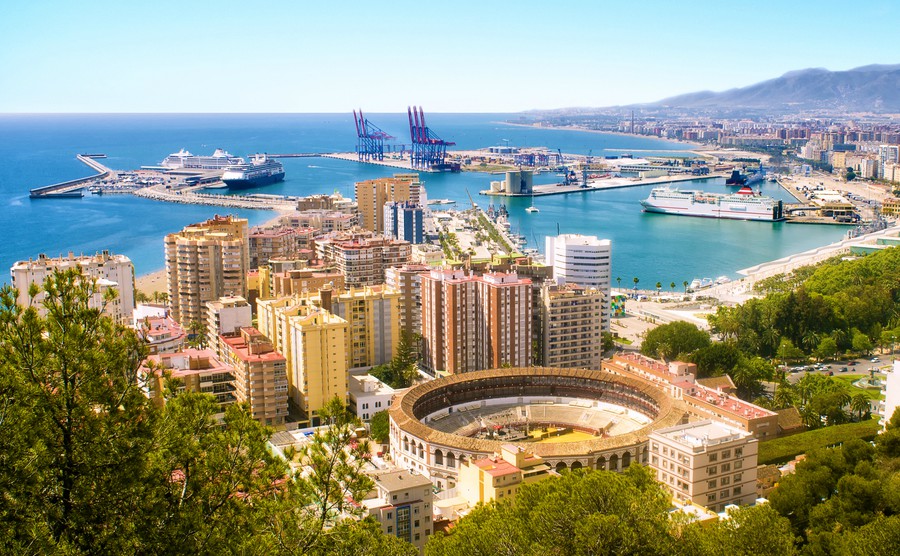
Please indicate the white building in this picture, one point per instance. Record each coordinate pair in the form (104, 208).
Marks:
(402, 503)
(226, 316)
(891, 390)
(110, 272)
(708, 463)
(368, 396)
(582, 260)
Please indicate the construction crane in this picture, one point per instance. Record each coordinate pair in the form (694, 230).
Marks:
(370, 143)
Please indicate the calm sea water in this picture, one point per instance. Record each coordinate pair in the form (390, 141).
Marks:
(40, 149)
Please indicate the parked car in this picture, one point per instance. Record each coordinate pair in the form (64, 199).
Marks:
(874, 360)
(843, 369)
(852, 363)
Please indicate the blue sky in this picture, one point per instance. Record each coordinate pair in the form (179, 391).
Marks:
(461, 56)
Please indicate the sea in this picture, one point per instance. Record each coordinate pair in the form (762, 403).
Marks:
(40, 149)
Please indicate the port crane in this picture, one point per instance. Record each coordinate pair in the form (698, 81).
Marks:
(568, 176)
(584, 170)
(370, 144)
(428, 150)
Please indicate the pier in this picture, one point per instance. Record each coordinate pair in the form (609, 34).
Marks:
(597, 185)
(262, 202)
(72, 188)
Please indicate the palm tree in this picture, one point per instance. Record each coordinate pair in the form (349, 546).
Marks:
(636, 280)
(685, 284)
(860, 404)
(197, 334)
(784, 395)
(619, 281)
(672, 285)
(658, 288)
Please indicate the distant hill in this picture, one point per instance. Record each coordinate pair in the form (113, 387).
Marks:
(873, 88)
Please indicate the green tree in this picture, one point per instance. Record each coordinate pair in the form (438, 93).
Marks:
(579, 513)
(685, 284)
(658, 288)
(635, 280)
(788, 352)
(860, 403)
(672, 286)
(74, 428)
(851, 174)
(674, 340)
(197, 334)
(748, 531)
(379, 427)
(827, 348)
(861, 343)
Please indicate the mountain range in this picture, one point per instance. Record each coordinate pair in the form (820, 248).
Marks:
(872, 88)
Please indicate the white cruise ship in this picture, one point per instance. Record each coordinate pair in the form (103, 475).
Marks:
(743, 205)
(261, 170)
(219, 160)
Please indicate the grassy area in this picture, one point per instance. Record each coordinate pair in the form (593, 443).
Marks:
(781, 450)
(871, 393)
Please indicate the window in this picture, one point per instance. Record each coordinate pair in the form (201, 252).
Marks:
(713, 457)
(365, 406)
(417, 536)
(726, 454)
(390, 514)
(726, 467)
(712, 470)
(725, 481)
(377, 404)
(723, 494)
(711, 484)
(738, 452)
(738, 464)
(736, 490)
(390, 528)
(738, 477)
(711, 497)
(416, 524)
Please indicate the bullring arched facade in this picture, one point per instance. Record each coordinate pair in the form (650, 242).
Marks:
(417, 445)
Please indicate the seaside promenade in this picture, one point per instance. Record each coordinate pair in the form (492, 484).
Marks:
(257, 201)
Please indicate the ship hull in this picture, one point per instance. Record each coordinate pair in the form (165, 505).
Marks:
(254, 182)
(719, 214)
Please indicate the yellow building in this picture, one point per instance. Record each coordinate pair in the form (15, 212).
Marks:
(373, 314)
(314, 342)
(318, 371)
(891, 205)
(500, 476)
(371, 195)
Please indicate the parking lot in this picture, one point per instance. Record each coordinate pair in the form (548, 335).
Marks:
(853, 366)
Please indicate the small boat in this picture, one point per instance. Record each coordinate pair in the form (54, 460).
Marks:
(532, 209)
(723, 279)
(695, 283)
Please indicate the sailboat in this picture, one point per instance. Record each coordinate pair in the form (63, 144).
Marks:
(532, 208)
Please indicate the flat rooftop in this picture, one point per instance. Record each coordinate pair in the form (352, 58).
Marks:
(703, 433)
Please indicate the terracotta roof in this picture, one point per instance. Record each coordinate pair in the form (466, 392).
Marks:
(789, 419)
(715, 382)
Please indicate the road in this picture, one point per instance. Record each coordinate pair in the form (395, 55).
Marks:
(853, 366)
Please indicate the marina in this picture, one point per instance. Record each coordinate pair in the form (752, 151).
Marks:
(652, 247)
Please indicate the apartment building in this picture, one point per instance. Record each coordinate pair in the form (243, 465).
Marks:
(368, 396)
(571, 322)
(161, 334)
(326, 221)
(204, 262)
(582, 260)
(372, 195)
(109, 271)
(707, 463)
(402, 502)
(407, 279)
(362, 259)
(473, 322)
(278, 243)
(300, 280)
(260, 374)
(404, 221)
(314, 342)
(195, 370)
(373, 316)
(226, 316)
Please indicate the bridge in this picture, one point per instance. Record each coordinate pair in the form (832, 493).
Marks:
(72, 188)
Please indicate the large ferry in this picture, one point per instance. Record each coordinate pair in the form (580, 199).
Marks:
(219, 160)
(259, 171)
(743, 205)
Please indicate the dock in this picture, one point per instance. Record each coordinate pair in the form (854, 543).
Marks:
(72, 189)
(597, 185)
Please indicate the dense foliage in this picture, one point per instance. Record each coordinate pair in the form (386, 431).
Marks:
(589, 512)
(89, 466)
(850, 305)
(846, 500)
